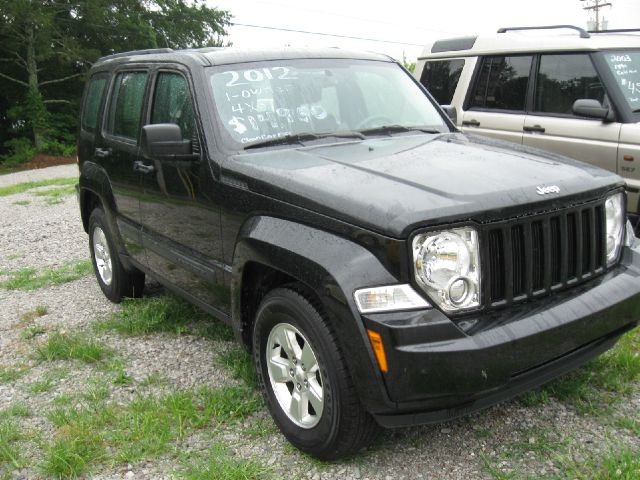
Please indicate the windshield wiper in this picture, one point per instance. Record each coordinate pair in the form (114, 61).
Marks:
(389, 129)
(303, 137)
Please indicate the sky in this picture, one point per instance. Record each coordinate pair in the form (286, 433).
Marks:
(408, 23)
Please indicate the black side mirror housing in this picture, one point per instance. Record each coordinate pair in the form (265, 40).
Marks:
(589, 108)
(164, 141)
(451, 112)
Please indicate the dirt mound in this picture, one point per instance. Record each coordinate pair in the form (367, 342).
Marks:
(42, 161)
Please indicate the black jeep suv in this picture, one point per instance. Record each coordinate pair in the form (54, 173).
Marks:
(382, 267)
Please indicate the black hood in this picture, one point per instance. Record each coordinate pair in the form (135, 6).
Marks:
(395, 184)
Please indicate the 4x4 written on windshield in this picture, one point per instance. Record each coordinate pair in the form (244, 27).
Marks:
(267, 103)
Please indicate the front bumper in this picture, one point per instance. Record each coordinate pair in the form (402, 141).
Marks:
(440, 369)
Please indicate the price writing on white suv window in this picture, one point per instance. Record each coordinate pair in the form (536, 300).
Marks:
(620, 58)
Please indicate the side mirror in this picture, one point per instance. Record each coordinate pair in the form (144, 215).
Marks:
(164, 141)
(451, 112)
(591, 109)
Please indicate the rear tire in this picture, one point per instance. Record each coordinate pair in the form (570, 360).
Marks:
(309, 379)
(115, 281)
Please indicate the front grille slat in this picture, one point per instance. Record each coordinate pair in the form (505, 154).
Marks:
(531, 256)
(579, 245)
(518, 260)
(555, 251)
(564, 249)
(547, 253)
(496, 266)
(572, 244)
(528, 261)
(600, 237)
(537, 254)
(508, 265)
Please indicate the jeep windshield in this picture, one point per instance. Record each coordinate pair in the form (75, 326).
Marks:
(261, 104)
(625, 66)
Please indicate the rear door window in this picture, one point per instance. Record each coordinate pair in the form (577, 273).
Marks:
(92, 102)
(441, 79)
(501, 83)
(126, 105)
(563, 79)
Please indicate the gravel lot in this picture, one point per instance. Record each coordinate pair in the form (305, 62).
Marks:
(519, 439)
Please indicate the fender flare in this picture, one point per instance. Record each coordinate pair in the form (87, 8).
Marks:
(333, 267)
(94, 180)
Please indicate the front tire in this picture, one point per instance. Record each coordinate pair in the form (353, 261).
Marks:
(304, 379)
(115, 281)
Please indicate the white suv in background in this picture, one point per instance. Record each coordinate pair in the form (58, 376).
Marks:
(557, 88)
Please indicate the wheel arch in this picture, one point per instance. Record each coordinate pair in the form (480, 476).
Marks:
(95, 190)
(272, 252)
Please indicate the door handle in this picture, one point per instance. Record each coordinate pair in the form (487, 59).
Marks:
(102, 152)
(470, 123)
(535, 128)
(138, 166)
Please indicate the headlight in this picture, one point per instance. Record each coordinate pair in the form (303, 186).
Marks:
(615, 214)
(447, 267)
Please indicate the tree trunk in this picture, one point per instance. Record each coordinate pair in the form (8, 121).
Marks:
(34, 98)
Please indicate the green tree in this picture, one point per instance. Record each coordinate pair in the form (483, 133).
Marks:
(411, 66)
(47, 46)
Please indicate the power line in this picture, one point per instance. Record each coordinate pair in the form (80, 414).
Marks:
(326, 34)
(352, 17)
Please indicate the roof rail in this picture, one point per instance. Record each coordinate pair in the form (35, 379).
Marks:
(616, 30)
(583, 33)
(135, 52)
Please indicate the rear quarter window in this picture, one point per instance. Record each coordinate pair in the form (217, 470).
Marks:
(441, 79)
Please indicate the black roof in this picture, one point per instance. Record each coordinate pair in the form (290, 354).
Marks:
(209, 56)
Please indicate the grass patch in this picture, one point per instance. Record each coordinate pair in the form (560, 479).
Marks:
(241, 365)
(260, 428)
(32, 332)
(619, 463)
(153, 379)
(16, 410)
(146, 427)
(595, 388)
(95, 393)
(629, 424)
(42, 386)
(61, 346)
(23, 187)
(219, 464)
(164, 314)
(71, 452)
(32, 279)
(22, 202)
(57, 193)
(11, 374)
(9, 435)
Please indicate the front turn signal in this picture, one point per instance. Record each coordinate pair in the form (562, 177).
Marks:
(378, 349)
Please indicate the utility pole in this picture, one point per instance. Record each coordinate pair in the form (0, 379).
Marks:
(596, 6)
